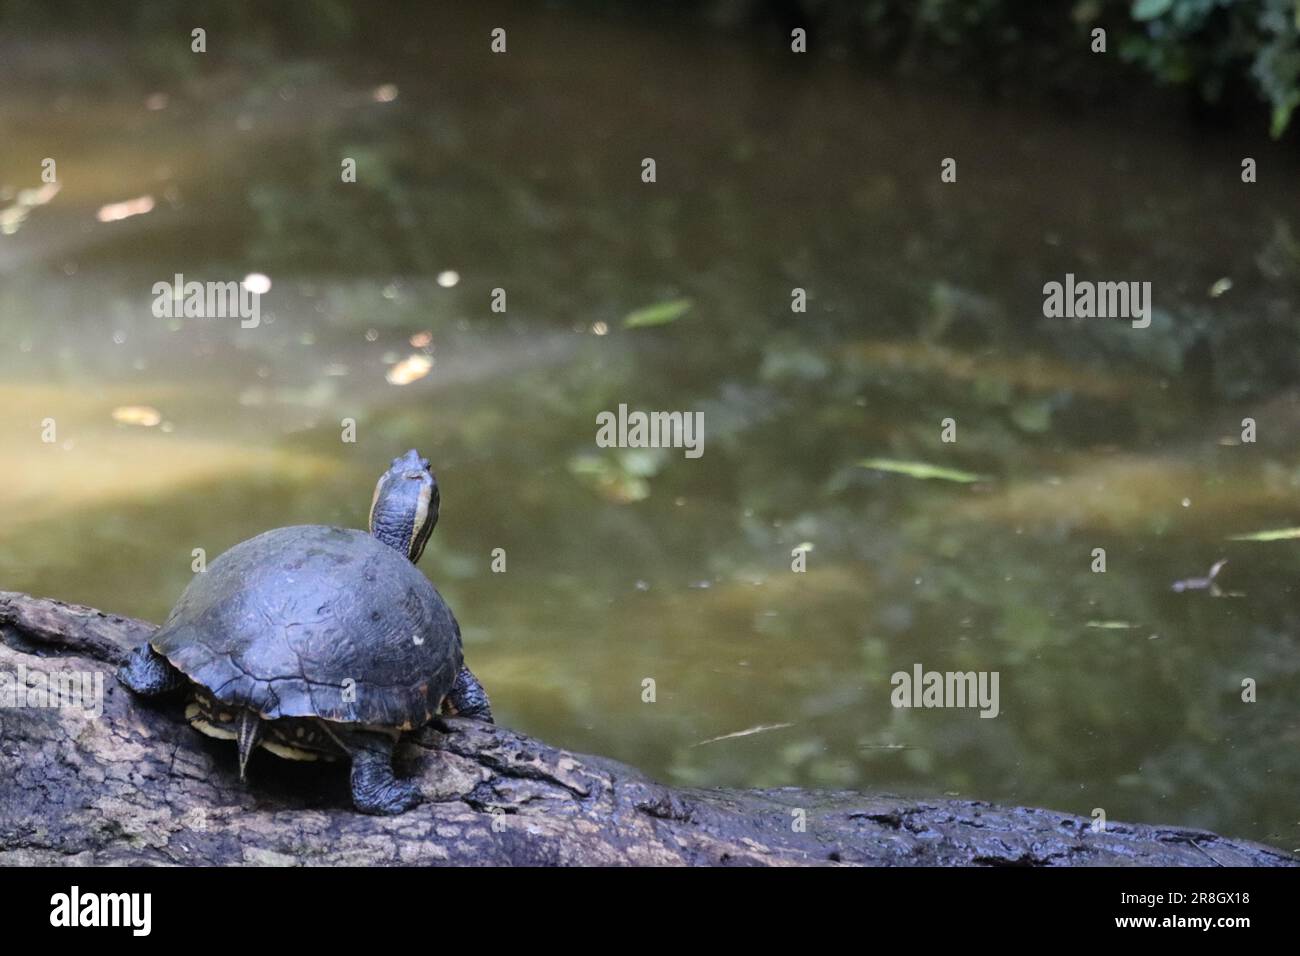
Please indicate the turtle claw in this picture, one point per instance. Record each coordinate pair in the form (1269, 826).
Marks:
(388, 800)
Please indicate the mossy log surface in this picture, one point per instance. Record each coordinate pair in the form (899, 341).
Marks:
(136, 785)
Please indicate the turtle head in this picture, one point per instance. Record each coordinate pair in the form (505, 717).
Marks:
(405, 506)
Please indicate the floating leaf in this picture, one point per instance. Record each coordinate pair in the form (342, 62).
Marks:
(920, 469)
(116, 211)
(1220, 287)
(1276, 534)
(142, 415)
(661, 313)
(11, 217)
(409, 369)
(761, 728)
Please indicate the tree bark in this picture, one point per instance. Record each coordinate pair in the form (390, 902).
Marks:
(135, 784)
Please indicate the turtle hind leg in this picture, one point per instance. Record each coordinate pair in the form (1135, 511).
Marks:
(147, 672)
(467, 698)
(375, 788)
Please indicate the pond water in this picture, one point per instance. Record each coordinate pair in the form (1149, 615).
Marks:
(523, 172)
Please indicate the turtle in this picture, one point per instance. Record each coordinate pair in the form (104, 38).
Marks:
(316, 642)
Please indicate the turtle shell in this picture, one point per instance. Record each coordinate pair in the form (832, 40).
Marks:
(311, 621)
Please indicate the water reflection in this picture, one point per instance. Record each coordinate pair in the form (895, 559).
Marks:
(924, 303)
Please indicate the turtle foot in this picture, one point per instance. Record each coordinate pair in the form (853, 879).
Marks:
(467, 698)
(375, 788)
(389, 800)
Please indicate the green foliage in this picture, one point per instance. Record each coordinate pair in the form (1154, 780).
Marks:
(922, 470)
(1212, 43)
(661, 313)
(1219, 48)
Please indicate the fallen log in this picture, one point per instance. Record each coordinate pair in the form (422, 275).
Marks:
(133, 783)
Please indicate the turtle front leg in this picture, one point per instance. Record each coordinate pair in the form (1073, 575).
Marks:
(467, 698)
(375, 788)
(148, 673)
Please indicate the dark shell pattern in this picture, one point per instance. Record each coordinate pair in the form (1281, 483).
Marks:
(311, 621)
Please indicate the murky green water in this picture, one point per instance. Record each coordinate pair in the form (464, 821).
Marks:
(523, 173)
